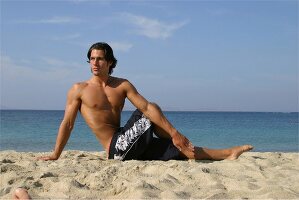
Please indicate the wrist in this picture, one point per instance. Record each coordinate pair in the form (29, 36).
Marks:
(56, 154)
(174, 133)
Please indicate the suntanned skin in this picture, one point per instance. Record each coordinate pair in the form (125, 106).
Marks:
(101, 100)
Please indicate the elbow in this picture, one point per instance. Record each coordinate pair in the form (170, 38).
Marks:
(148, 108)
(154, 106)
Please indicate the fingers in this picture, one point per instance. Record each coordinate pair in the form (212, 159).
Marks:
(46, 158)
(188, 146)
(182, 143)
(43, 158)
(191, 146)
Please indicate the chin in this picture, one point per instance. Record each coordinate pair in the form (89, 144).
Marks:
(96, 73)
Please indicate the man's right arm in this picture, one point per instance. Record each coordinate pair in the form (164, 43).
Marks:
(72, 106)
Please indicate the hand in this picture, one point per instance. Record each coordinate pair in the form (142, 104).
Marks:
(46, 158)
(182, 143)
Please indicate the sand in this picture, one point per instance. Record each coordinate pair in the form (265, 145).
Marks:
(88, 175)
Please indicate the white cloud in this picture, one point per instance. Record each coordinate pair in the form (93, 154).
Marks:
(12, 71)
(54, 63)
(53, 20)
(24, 86)
(152, 28)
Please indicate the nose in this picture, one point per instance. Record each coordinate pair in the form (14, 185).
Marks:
(94, 61)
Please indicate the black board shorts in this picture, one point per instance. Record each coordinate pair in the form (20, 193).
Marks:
(135, 141)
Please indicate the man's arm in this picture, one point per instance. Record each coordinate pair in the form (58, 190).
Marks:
(72, 106)
(155, 115)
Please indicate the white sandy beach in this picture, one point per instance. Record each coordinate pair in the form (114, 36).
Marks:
(88, 175)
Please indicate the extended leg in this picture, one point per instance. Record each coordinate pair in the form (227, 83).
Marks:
(204, 153)
(217, 154)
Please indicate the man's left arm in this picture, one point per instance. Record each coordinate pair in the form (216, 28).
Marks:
(155, 115)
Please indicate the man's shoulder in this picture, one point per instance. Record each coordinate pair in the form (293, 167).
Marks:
(80, 85)
(118, 81)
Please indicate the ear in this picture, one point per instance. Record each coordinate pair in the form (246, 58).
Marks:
(110, 63)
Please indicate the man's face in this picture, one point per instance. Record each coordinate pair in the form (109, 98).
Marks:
(99, 65)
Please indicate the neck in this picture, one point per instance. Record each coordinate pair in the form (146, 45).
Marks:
(101, 80)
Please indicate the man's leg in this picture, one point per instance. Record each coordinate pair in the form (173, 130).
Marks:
(201, 153)
(205, 153)
(217, 154)
(158, 130)
(131, 141)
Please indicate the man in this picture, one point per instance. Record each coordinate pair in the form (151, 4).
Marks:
(101, 100)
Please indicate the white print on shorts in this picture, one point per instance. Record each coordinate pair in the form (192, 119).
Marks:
(124, 141)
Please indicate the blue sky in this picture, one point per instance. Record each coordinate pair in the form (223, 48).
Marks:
(183, 55)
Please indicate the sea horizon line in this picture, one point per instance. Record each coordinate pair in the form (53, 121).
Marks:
(164, 110)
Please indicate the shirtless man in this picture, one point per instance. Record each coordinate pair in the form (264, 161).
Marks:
(101, 100)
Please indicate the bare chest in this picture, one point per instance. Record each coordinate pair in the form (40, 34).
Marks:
(103, 98)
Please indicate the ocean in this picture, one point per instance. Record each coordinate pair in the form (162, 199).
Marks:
(36, 131)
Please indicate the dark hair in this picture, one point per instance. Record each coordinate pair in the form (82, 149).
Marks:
(108, 53)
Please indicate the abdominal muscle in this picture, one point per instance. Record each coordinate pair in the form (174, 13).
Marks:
(103, 123)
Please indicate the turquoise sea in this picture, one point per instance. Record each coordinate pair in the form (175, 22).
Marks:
(33, 130)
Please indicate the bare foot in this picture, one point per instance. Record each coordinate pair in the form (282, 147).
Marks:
(237, 151)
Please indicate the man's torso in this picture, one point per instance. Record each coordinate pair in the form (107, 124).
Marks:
(101, 108)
